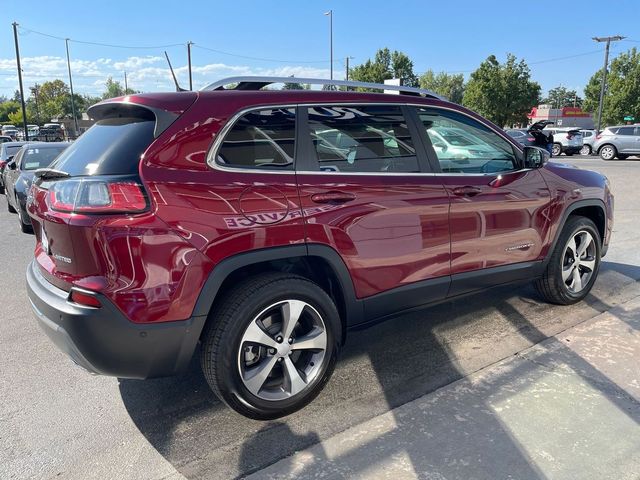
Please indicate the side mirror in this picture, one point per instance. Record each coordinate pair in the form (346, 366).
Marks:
(11, 165)
(535, 157)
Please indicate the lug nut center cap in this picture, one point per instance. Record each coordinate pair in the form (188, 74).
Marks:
(284, 349)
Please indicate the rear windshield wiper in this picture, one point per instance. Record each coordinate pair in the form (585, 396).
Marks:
(50, 173)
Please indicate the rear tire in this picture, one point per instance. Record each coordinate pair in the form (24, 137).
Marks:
(585, 150)
(252, 363)
(556, 150)
(24, 228)
(10, 209)
(573, 267)
(608, 152)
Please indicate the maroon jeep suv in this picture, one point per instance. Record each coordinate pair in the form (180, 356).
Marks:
(264, 225)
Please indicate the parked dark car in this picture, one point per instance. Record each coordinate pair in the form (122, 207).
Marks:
(7, 151)
(19, 172)
(266, 225)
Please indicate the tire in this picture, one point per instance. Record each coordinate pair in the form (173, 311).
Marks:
(10, 209)
(556, 150)
(608, 152)
(558, 283)
(622, 157)
(585, 150)
(24, 228)
(228, 354)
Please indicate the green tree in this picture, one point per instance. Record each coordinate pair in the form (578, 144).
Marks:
(113, 88)
(622, 96)
(385, 65)
(504, 93)
(7, 108)
(561, 97)
(447, 85)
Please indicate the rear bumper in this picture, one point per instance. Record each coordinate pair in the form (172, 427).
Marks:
(103, 341)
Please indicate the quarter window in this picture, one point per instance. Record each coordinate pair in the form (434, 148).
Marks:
(370, 138)
(261, 139)
(464, 145)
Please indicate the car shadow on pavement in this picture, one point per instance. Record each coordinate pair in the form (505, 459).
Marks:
(202, 438)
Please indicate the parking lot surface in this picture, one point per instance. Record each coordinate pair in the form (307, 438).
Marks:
(58, 421)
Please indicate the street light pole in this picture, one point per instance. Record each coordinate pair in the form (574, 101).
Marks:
(189, 43)
(330, 14)
(73, 103)
(603, 83)
(24, 108)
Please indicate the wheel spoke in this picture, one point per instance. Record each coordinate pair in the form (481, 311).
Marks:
(572, 245)
(588, 264)
(567, 272)
(576, 285)
(255, 377)
(314, 340)
(291, 311)
(294, 381)
(585, 241)
(255, 334)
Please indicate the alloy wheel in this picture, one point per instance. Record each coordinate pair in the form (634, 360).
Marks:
(585, 150)
(282, 350)
(579, 261)
(556, 150)
(607, 153)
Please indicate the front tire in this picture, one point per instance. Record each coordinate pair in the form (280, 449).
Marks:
(271, 345)
(556, 150)
(574, 263)
(10, 209)
(24, 227)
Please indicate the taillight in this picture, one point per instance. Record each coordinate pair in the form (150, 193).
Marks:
(569, 136)
(2, 164)
(84, 299)
(598, 137)
(531, 139)
(97, 196)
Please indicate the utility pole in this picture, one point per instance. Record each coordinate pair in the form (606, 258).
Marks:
(608, 40)
(36, 91)
(189, 43)
(330, 14)
(73, 103)
(126, 85)
(24, 108)
(347, 69)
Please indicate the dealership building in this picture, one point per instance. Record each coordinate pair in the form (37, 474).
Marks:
(562, 117)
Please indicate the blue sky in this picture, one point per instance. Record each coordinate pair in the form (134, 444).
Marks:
(453, 36)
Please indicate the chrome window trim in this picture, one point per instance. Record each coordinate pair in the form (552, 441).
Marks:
(217, 142)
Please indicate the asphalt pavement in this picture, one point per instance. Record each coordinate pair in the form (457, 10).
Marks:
(58, 421)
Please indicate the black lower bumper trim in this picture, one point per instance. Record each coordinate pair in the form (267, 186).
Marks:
(103, 341)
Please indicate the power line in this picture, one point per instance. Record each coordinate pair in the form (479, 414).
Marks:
(85, 42)
(258, 58)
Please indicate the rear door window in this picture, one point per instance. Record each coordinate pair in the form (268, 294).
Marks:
(113, 146)
(364, 138)
(625, 131)
(260, 139)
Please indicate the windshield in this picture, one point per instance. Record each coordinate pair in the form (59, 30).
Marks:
(112, 146)
(40, 157)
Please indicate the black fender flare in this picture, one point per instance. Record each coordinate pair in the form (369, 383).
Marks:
(591, 202)
(353, 307)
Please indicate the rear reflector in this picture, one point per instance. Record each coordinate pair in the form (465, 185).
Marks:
(84, 299)
(96, 196)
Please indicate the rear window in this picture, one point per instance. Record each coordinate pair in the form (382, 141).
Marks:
(39, 157)
(113, 146)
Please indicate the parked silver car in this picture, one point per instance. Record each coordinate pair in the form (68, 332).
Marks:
(588, 137)
(618, 141)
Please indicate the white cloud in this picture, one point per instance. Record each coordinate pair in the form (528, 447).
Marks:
(146, 73)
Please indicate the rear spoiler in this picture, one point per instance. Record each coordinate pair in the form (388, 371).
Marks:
(119, 109)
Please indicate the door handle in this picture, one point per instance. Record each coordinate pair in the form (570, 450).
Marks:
(334, 197)
(467, 191)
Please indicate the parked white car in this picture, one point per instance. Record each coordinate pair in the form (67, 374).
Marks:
(565, 140)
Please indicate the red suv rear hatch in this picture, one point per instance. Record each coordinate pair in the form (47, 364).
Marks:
(93, 191)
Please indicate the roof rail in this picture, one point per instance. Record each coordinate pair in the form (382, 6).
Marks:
(256, 83)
